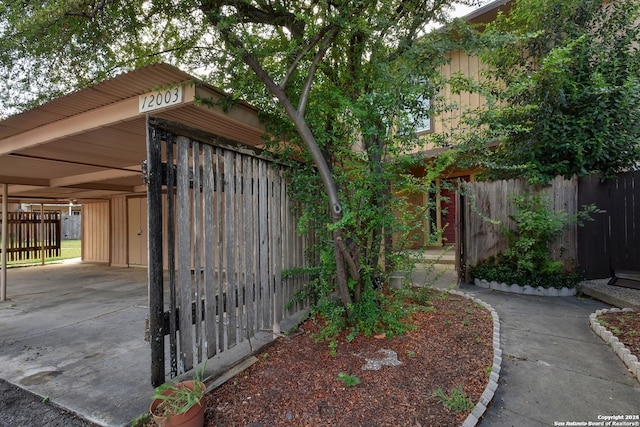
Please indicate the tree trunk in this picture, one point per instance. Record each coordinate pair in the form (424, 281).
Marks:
(297, 117)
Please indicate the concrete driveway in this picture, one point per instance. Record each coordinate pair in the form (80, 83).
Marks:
(74, 333)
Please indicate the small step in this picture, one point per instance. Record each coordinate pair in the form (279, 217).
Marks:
(625, 279)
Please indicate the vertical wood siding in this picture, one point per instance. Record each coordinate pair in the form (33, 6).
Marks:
(468, 66)
(96, 226)
(119, 231)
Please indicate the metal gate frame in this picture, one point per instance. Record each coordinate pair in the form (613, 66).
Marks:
(226, 249)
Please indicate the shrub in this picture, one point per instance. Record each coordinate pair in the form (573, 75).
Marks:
(501, 270)
(526, 259)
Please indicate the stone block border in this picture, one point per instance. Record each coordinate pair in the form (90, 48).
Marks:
(630, 360)
(480, 408)
(525, 290)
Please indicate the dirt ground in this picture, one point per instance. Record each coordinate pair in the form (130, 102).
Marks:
(625, 326)
(20, 408)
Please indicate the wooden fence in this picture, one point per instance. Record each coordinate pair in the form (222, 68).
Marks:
(486, 204)
(612, 241)
(71, 226)
(231, 233)
(29, 234)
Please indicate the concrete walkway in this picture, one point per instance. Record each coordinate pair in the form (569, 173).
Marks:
(554, 368)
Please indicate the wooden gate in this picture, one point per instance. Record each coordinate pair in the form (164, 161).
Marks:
(612, 241)
(230, 232)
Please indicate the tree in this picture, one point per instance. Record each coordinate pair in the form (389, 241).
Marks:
(563, 96)
(348, 77)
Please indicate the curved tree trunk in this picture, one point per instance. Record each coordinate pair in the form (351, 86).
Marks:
(341, 252)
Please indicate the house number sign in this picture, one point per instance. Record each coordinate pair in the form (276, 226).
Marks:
(160, 99)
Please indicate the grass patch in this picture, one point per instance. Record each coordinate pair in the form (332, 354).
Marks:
(68, 249)
(456, 401)
(348, 380)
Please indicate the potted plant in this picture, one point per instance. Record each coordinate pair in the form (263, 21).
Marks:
(179, 404)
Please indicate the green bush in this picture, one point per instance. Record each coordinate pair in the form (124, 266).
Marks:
(526, 261)
(375, 313)
(537, 227)
(502, 270)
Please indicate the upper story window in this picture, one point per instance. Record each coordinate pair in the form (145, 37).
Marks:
(418, 118)
(424, 123)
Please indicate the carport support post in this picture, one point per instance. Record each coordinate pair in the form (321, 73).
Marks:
(5, 228)
(154, 237)
(42, 232)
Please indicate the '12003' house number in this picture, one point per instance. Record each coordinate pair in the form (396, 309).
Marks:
(160, 99)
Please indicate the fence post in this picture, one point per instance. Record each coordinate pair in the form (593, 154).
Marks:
(154, 224)
(42, 239)
(3, 276)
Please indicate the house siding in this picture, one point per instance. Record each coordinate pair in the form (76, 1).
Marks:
(96, 226)
(119, 231)
(443, 216)
(470, 66)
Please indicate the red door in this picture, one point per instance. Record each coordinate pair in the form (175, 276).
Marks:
(448, 208)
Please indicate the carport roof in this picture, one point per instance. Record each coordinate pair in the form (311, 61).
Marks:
(89, 145)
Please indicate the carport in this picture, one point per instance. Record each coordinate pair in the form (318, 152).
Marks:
(75, 332)
(87, 148)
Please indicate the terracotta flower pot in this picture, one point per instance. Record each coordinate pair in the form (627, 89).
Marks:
(193, 417)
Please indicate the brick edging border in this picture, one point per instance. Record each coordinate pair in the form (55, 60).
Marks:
(526, 289)
(630, 360)
(480, 408)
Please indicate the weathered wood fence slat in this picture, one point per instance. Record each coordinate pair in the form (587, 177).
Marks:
(70, 227)
(487, 205)
(608, 243)
(231, 230)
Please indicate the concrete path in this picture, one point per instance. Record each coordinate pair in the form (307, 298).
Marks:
(555, 370)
